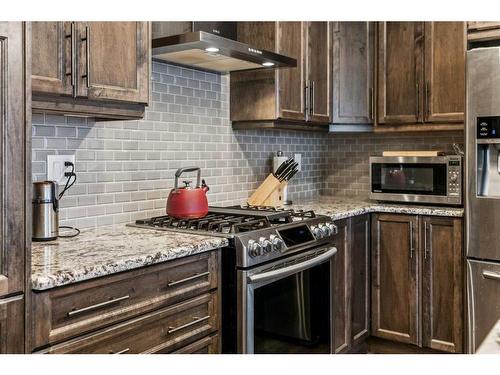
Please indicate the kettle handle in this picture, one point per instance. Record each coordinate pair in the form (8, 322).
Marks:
(187, 169)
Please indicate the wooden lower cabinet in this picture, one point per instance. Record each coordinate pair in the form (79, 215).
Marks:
(394, 278)
(207, 345)
(162, 331)
(417, 280)
(351, 290)
(155, 309)
(442, 283)
(12, 325)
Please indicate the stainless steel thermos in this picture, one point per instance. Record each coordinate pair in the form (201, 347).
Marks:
(45, 211)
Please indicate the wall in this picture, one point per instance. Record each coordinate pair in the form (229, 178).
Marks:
(125, 169)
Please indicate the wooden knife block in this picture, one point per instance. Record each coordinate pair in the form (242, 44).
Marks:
(269, 193)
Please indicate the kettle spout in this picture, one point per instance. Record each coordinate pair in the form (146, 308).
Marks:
(204, 186)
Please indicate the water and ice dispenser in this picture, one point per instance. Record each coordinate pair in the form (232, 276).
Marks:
(488, 156)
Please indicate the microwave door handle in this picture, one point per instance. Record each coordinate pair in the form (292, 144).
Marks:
(287, 271)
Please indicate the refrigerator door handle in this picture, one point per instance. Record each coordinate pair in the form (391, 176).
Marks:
(491, 275)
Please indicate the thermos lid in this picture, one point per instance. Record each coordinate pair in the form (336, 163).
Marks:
(44, 192)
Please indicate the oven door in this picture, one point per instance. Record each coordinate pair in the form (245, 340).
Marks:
(409, 179)
(286, 306)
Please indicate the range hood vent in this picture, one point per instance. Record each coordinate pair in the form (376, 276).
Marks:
(207, 51)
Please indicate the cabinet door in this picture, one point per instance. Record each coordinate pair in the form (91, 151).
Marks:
(360, 265)
(51, 58)
(442, 283)
(291, 95)
(12, 157)
(444, 95)
(114, 60)
(399, 73)
(318, 71)
(352, 78)
(341, 289)
(12, 324)
(395, 307)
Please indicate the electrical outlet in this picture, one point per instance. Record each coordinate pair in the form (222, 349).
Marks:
(298, 159)
(56, 168)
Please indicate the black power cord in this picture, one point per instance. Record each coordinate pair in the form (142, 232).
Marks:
(66, 187)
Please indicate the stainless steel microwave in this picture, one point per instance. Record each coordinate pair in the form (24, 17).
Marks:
(422, 179)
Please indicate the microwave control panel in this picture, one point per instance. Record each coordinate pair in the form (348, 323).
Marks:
(454, 176)
(488, 127)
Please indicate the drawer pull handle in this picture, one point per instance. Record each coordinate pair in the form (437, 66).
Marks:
(195, 321)
(198, 275)
(491, 275)
(121, 351)
(97, 306)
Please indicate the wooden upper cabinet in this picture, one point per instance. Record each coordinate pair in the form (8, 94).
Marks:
(291, 82)
(319, 71)
(442, 283)
(293, 97)
(479, 31)
(444, 95)
(421, 75)
(395, 304)
(400, 64)
(51, 56)
(352, 77)
(99, 69)
(114, 63)
(13, 119)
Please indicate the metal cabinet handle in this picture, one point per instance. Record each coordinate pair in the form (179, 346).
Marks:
(97, 305)
(411, 240)
(311, 96)
(307, 93)
(87, 46)
(418, 101)
(491, 275)
(427, 242)
(371, 104)
(196, 276)
(126, 350)
(426, 103)
(195, 321)
(72, 37)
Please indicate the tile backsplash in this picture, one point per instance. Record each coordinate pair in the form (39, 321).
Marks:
(125, 169)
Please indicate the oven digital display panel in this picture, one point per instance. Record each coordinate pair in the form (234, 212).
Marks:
(296, 235)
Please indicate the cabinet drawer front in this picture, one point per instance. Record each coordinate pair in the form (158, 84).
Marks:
(66, 312)
(162, 331)
(207, 345)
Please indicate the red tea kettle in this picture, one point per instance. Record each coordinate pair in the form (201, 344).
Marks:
(187, 202)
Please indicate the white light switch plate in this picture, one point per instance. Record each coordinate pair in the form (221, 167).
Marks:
(56, 168)
(298, 159)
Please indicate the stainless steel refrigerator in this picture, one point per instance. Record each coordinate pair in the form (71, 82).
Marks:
(483, 192)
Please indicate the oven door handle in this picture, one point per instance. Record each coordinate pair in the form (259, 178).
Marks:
(286, 271)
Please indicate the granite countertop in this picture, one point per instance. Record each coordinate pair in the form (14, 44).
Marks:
(110, 249)
(343, 207)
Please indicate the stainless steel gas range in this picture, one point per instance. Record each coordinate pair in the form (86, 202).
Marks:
(276, 277)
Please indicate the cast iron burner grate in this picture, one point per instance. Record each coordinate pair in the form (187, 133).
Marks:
(219, 223)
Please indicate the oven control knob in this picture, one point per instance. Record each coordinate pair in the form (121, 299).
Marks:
(266, 245)
(333, 228)
(278, 244)
(254, 249)
(318, 233)
(327, 232)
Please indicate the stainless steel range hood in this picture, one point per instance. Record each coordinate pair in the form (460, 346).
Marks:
(207, 51)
